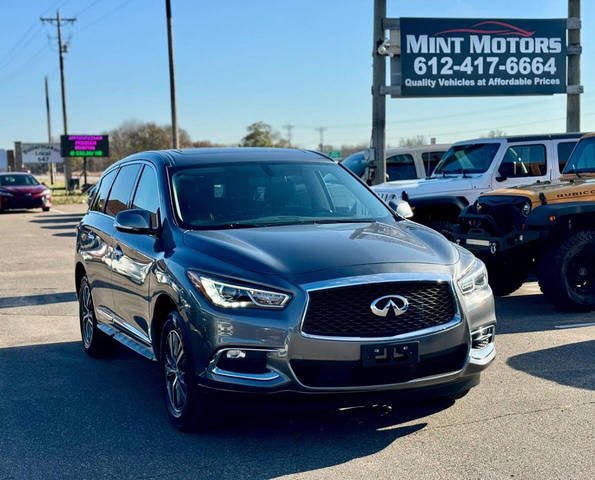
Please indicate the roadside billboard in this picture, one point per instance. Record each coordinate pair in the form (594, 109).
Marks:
(84, 145)
(471, 56)
(40, 153)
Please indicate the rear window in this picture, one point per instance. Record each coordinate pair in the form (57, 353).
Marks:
(400, 167)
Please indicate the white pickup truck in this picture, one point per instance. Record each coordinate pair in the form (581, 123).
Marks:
(473, 167)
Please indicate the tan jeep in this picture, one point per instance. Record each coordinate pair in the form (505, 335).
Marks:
(542, 227)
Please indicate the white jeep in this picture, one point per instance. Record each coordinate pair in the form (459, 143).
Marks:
(473, 167)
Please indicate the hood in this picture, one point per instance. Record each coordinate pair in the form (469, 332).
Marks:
(426, 186)
(579, 190)
(24, 189)
(295, 249)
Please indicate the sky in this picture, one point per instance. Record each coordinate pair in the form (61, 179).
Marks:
(301, 62)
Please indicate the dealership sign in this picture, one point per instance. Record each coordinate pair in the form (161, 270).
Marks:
(85, 145)
(40, 153)
(450, 57)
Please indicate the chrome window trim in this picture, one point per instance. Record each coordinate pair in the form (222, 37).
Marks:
(261, 377)
(382, 278)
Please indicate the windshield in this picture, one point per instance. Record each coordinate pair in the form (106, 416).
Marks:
(356, 163)
(582, 159)
(17, 180)
(471, 158)
(258, 194)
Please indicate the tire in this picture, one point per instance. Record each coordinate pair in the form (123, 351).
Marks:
(444, 227)
(187, 405)
(505, 276)
(95, 342)
(566, 272)
(45, 209)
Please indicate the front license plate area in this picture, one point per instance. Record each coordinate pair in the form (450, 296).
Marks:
(390, 354)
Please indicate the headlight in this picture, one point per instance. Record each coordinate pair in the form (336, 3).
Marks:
(4, 193)
(474, 278)
(227, 295)
(478, 207)
(46, 192)
(526, 209)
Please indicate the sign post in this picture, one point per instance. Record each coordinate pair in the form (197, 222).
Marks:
(449, 57)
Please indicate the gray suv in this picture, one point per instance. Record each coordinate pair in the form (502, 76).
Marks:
(273, 270)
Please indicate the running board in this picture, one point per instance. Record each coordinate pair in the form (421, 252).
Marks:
(127, 341)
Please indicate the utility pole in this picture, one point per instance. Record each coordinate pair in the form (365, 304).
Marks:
(378, 97)
(172, 77)
(61, 50)
(289, 128)
(47, 110)
(321, 133)
(573, 100)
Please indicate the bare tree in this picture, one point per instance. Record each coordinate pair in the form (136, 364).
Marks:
(413, 141)
(496, 133)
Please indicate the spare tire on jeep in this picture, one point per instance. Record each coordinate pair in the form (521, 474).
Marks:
(566, 272)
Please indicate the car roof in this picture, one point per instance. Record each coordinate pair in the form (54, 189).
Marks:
(432, 147)
(194, 156)
(525, 138)
(15, 173)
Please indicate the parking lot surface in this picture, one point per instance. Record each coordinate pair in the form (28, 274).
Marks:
(65, 415)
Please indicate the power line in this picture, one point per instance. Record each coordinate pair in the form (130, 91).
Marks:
(99, 19)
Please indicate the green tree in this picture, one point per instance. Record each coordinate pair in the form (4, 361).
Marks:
(261, 134)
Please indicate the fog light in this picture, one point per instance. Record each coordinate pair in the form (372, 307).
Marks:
(236, 354)
(483, 337)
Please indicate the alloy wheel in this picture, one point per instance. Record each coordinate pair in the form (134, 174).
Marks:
(87, 316)
(175, 381)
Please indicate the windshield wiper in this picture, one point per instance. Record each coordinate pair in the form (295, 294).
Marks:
(345, 220)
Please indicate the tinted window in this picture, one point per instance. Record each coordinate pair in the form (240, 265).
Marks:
(263, 193)
(564, 151)
(582, 159)
(356, 163)
(147, 196)
(471, 158)
(101, 194)
(17, 180)
(431, 159)
(400, 167)
(122, 190)
(523, 161)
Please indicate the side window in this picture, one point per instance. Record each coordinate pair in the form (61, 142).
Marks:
(146, 196)
(523, 161)
(400, 167)
(564, 151)
(122, 190)
(430, 160)
(104, 187)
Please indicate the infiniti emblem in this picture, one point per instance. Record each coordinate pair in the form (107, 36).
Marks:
(382, 305)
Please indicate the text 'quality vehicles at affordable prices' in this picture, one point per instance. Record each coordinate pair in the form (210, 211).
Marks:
(474, 167)
(270, 270)
(549, 228)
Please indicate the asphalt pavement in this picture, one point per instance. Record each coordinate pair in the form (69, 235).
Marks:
(65, 415)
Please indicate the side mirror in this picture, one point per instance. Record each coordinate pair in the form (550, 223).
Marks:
(401, 208)
(501, 178)
(134, 221)
(43, 183)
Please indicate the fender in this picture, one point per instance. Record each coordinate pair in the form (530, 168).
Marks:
(540, 217)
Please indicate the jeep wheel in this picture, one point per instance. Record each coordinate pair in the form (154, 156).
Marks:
(95, 342)
(567, 273)
(504, 276)
(186, 403)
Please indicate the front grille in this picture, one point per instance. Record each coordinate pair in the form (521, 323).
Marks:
(345, 311)
(316, 373)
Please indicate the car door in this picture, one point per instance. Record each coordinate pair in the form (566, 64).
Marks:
(136, 256)
(522, 164)
(94, 245)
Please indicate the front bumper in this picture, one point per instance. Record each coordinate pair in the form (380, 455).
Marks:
(24, 202)
(297, 362)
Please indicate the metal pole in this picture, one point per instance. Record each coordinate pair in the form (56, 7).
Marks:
(67, 164)
(172, 77)
(321, 144)
(573, 101)
(47, 109)
(378, 98)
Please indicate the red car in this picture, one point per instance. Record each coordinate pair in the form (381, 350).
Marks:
(22, 190)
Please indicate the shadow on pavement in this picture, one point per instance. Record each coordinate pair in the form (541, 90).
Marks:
(570, 365)
(65, 234)
(533, 313)
(68, 415)
(42, 299)
(61, 219)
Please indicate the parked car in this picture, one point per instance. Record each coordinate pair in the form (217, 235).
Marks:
(548, 228)
(19, 190)
(403, 163)
(474, 167)
(241, 270)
